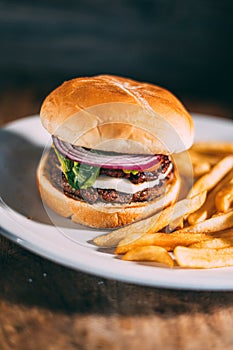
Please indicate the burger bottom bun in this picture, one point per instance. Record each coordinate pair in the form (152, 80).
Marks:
(100, 215)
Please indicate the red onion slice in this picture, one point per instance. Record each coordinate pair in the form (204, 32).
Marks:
(109, 160)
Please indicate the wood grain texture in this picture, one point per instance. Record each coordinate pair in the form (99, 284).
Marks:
(44, 305)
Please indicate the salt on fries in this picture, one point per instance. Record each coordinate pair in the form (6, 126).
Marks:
(202, 221)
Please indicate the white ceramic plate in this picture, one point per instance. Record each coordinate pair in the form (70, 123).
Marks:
(24, 220)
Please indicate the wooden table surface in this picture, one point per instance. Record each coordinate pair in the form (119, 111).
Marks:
(46, 306)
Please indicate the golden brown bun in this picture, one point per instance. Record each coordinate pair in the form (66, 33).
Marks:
(99, 215)
(118, 114)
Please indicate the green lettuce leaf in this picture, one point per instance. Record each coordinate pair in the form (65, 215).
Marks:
(79, 176)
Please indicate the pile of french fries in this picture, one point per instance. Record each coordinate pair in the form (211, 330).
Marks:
(195, 232)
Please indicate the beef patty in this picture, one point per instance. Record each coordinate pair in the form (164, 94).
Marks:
(93, 195)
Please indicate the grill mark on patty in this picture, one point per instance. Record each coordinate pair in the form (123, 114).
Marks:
(93, 195)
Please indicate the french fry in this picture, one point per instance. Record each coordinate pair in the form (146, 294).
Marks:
(213, 243)
(154, 223)
(184, 237)
(208, 181)
(209, 207)
(203, 258)
(150, 253)
(228, 233)
(224, 198)
(222, 221)
(166, 240)
(202, 214)
(176, 224)
(200, 169)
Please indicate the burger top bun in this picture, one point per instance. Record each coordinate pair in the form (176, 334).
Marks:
(112, 113)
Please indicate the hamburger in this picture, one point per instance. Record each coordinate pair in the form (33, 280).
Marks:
(113, 141)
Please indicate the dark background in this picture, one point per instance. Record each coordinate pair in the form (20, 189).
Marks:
(183, 45)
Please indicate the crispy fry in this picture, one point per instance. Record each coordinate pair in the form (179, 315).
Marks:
(176, 225)
(213, 243)
(216, 223)
(208, 181)
(200, 169)
(228, 233)
(224, 198)
(203, 213)
(150, 253)
(166, 240)
(209, 207)
(203, 258)
(154, 223)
